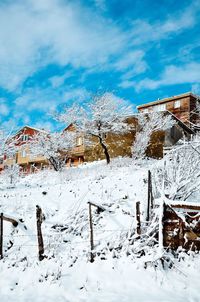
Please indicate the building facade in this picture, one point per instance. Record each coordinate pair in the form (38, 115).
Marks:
(88, 149)
(22, 156)
(183, 106)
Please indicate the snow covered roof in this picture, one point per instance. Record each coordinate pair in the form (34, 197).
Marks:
(30, 127)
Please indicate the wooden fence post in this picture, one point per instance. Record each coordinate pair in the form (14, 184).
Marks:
(1, 237)
(138, 218)
(39, 233)
(150, 196)
(151, 190)
(91, 233)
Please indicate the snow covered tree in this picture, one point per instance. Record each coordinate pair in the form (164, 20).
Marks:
(11, 174)
(8, 149)
(54, 147)
(103, 115)
(8, 145)
(3, 139)
(148, 124)
(181, 172)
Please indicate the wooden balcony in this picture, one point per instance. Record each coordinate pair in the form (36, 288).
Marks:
(37, 159)
(78, 150)
(9, 161)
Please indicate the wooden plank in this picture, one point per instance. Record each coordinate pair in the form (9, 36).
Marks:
(175, 230)
(99, 208)
(185, 206)
(13, 221)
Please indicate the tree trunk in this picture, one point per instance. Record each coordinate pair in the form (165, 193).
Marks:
(105, 149)
(54, 163)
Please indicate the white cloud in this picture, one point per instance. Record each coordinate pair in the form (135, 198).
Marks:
(188, 73)
(34, 33)
(144, 31)
(48, 126)
(127, 84)
(4, 109)
(132, 60)
(78, 94)
(35, 100)
(57, 81)
(46, 101)
(40, 32)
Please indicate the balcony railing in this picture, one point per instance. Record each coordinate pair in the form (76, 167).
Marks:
(78, 150)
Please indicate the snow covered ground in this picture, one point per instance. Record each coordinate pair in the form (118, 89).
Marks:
(66, 274)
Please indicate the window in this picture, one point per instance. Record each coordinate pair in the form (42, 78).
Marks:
(24, 138)
(23, 153)
(79, 141)
(160, 107)
(177, 104)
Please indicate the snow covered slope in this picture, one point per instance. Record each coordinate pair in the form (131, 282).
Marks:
(66, 273)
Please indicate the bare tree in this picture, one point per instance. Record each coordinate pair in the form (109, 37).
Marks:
(148, 124)
(102, 115)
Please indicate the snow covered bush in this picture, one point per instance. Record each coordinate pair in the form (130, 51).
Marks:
(181, 171)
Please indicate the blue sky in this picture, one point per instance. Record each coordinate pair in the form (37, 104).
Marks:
(54, 52)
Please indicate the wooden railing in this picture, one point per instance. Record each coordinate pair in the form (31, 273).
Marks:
(78, 150)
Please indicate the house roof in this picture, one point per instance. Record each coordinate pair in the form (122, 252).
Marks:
(67, 127)
(165, 100)
(33, 128)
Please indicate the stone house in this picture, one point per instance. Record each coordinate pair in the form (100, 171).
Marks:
(121, 144)
(89, 149)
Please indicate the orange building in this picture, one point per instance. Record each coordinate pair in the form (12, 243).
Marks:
(22, 157)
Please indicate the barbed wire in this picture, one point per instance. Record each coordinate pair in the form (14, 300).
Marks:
(71, 243)
(61, 235)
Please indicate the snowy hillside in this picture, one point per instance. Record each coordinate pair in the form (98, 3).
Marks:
(117, 274)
